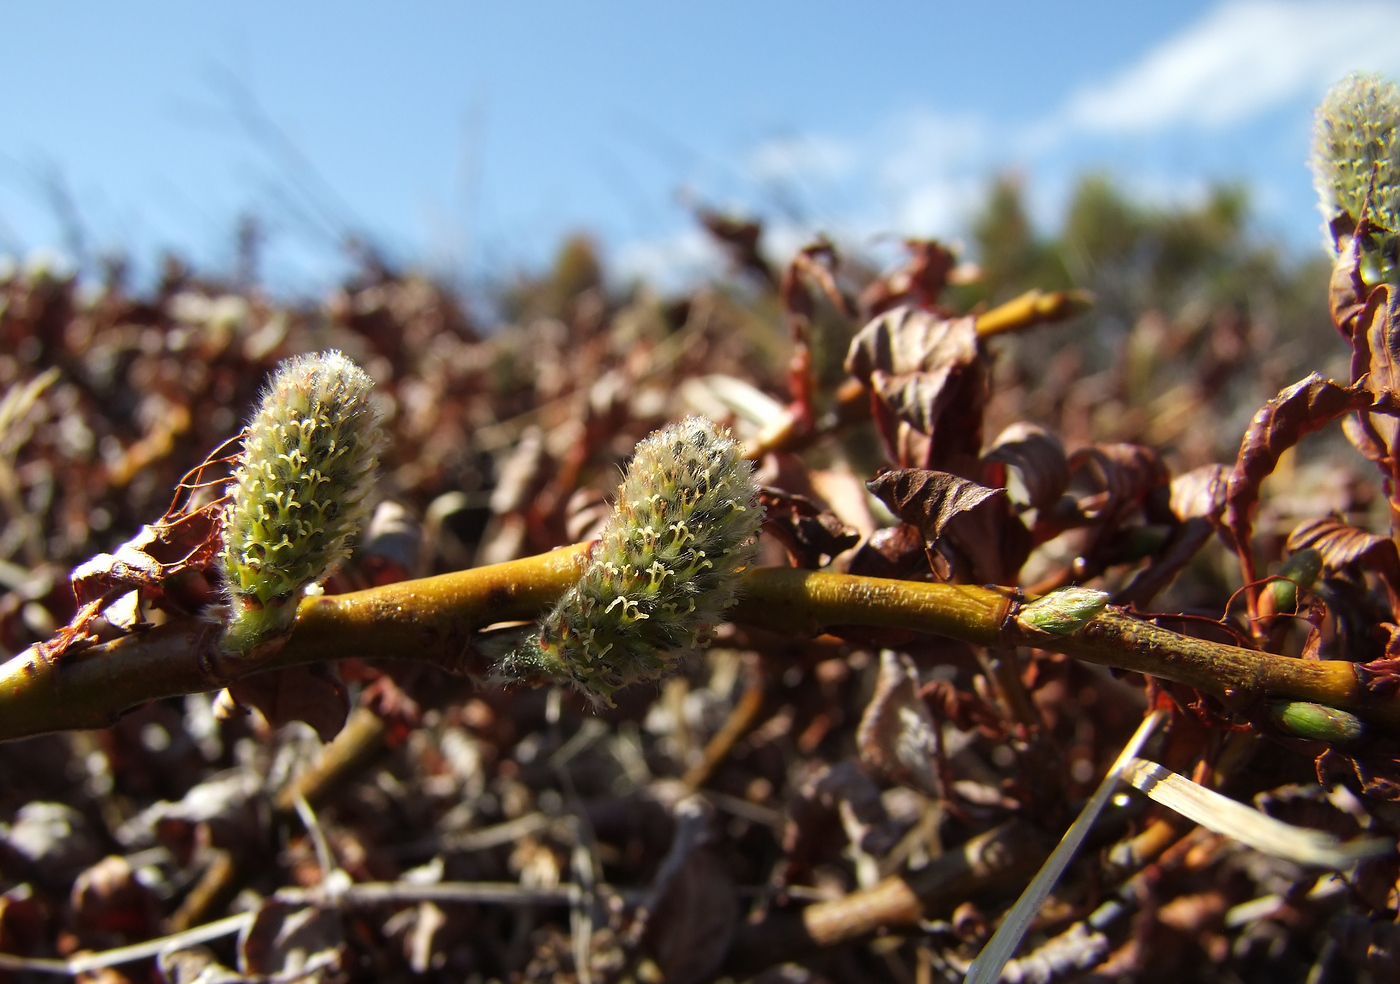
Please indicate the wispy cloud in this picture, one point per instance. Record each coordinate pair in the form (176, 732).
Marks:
(925, 172)
(1241, 60)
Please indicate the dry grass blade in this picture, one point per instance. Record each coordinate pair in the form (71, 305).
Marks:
(1260, 831)
(1005, 941)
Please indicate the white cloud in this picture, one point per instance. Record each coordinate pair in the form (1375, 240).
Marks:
(796, 158)
(671, 262)
(926, 172)
(1241, 60)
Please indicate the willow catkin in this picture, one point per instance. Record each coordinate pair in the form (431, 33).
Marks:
(684, 525)
(299, 493)
(1356, 162)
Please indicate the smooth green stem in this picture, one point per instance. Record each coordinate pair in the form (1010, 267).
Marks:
(435, 619)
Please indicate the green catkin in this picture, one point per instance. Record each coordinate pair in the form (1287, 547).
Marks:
(299, 492)
(684, 525)
(1356, 152)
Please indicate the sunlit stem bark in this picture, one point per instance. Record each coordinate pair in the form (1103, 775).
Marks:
(435, 619)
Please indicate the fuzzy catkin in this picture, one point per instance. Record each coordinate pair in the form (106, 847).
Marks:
(1356, 151)
(299, 492)
(684, 525)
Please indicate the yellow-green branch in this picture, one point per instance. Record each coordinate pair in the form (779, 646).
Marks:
(435, 619)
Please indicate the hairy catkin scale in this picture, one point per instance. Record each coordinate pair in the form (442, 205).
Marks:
(684, 525)
(1356, 151)
(299, 493)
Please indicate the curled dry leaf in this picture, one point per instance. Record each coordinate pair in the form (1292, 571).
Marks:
(1131, 475)
(740, 238)
(928, 381)
(1342, 544)
(107, 900)
(1038, 457)
(898, 738)
(895, 551)
(919, 282)
(1300, 409)
(1197, 500)
(839, 803)
(1200, 493)
(928, 500)
(988, 542)
(1346, 292)
(814, 264)
(313, 694)
(812, 535)
(1377, 363)
(694, 908)
(293, 942)
(185, 538)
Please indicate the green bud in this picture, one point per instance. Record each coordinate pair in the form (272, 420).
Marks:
(1299, 572)
(1062, 612)
(684, 525)
(1317, 722)
(299, 492)
(1356, 152)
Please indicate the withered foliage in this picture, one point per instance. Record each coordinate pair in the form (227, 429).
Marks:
(859, 805)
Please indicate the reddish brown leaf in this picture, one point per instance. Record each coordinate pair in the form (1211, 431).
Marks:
(812, 535)
(1197, 500)
(928, 499)
(312, 693)
(184, 539)
(1200, 493)
(108, 901)
(898, 738)
(839, 803)
(895, 551)
(1129, 475)
(975, 524)
(919, 282)
(1341, 544)
(740, 238)
(694, 905)
(1300, 409)
(1346, 292)
(301, 943)
(928, 381)
(814, 264)
(1038, 457)
(1377, 361)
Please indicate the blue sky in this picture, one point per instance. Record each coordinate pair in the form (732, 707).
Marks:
(469, 137)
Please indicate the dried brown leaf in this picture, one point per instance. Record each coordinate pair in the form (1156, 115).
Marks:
(1130, 475)
(928, 499)
(740, 238)
(919, 282)
(814, 264)
(294, 942)
(1342, 544)
(895, 551)
(1300, 409)
(108, 900)
(1346, 291)
(972, 522)
(1037, 455)
(313, 694)
(1200, 493)
(812, 535)
(928, 381)
(897, 737)
(696, 920)
(1197, 501)
(1377, 358)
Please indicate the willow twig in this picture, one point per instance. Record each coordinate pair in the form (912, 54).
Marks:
(435, 618)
